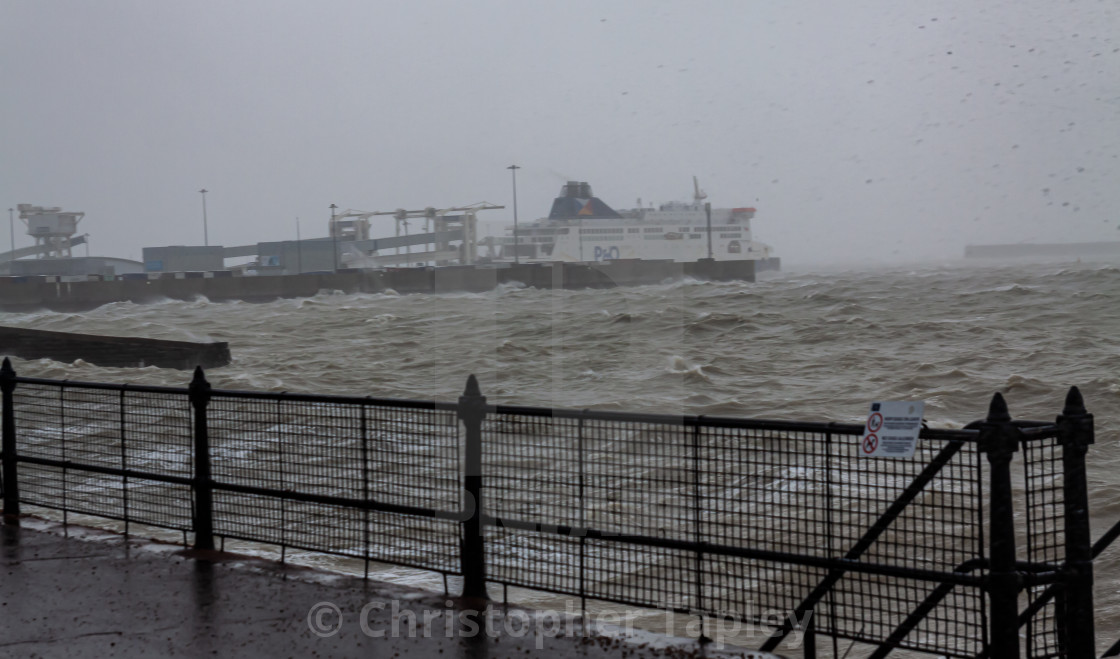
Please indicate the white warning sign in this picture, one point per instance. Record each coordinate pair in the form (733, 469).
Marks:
(892, 429)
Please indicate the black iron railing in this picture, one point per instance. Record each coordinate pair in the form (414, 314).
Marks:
(773, 523)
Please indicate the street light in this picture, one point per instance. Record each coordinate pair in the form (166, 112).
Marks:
(12, 228)
(205, 229)
(334, 237)
(299, 250)
(516, 246)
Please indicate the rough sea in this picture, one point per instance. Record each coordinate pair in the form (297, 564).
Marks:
(809, 345)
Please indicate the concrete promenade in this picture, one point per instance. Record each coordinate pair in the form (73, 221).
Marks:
(75, 592)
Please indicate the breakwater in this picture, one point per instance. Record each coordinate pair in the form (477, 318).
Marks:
(118, 351)
(42, 292)
(1052, 251)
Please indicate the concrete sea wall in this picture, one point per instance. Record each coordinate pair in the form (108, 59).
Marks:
(119, 351)
(39, 292)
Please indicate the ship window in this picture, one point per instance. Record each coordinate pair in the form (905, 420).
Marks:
(730, 235)
(654, 229)
(695, 235)
(633, 231)
(562, 231)
(683, 229)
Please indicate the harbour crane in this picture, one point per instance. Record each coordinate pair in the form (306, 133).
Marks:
(353, 225)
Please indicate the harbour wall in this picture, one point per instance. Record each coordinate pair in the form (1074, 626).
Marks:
(116, 351)
(44, 292)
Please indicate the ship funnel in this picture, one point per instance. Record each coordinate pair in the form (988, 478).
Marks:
(576, 201)
(577, 190)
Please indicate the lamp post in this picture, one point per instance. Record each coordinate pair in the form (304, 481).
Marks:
(12, 228)
(708, 214)
(516, 245)
(334, 237)
(205, 229)
(299, 250)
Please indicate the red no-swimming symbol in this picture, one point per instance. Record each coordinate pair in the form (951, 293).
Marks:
(874, 422)
(870, 443)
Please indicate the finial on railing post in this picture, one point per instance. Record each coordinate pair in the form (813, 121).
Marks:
(1075, 403)
(997, 410)
(203, 483)
(1075, 432)
(199, 387)
(10, 477)
(999, 439)
(472, 551)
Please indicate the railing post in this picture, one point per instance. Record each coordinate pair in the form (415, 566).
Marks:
(999, 439)
(203, 483)
(472, 552)
(8, 446)
(1076, 433)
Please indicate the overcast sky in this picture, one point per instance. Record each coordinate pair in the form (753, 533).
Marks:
(863, 131)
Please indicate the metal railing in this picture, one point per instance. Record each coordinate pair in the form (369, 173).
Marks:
(775, 523)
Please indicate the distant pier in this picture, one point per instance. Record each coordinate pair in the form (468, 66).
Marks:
(1044, 251)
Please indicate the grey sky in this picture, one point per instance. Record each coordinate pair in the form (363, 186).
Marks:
(869, 130)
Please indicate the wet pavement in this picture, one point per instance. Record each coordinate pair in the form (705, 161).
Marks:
(75, 592)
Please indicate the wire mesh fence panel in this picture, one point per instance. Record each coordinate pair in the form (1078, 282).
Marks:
(765, 489)
(535, 560)
(806, 493)
(813, 494)
(616, 477)
(39, 435)
(655, 577)
(108, 428)
(157, 434)
(1042, 534)
(940, 529)
(532, 467)
(413, 457)
(356, 452)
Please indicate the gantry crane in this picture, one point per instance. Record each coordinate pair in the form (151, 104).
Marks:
(439, 223)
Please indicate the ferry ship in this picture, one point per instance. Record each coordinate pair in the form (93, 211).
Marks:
(582, 228)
